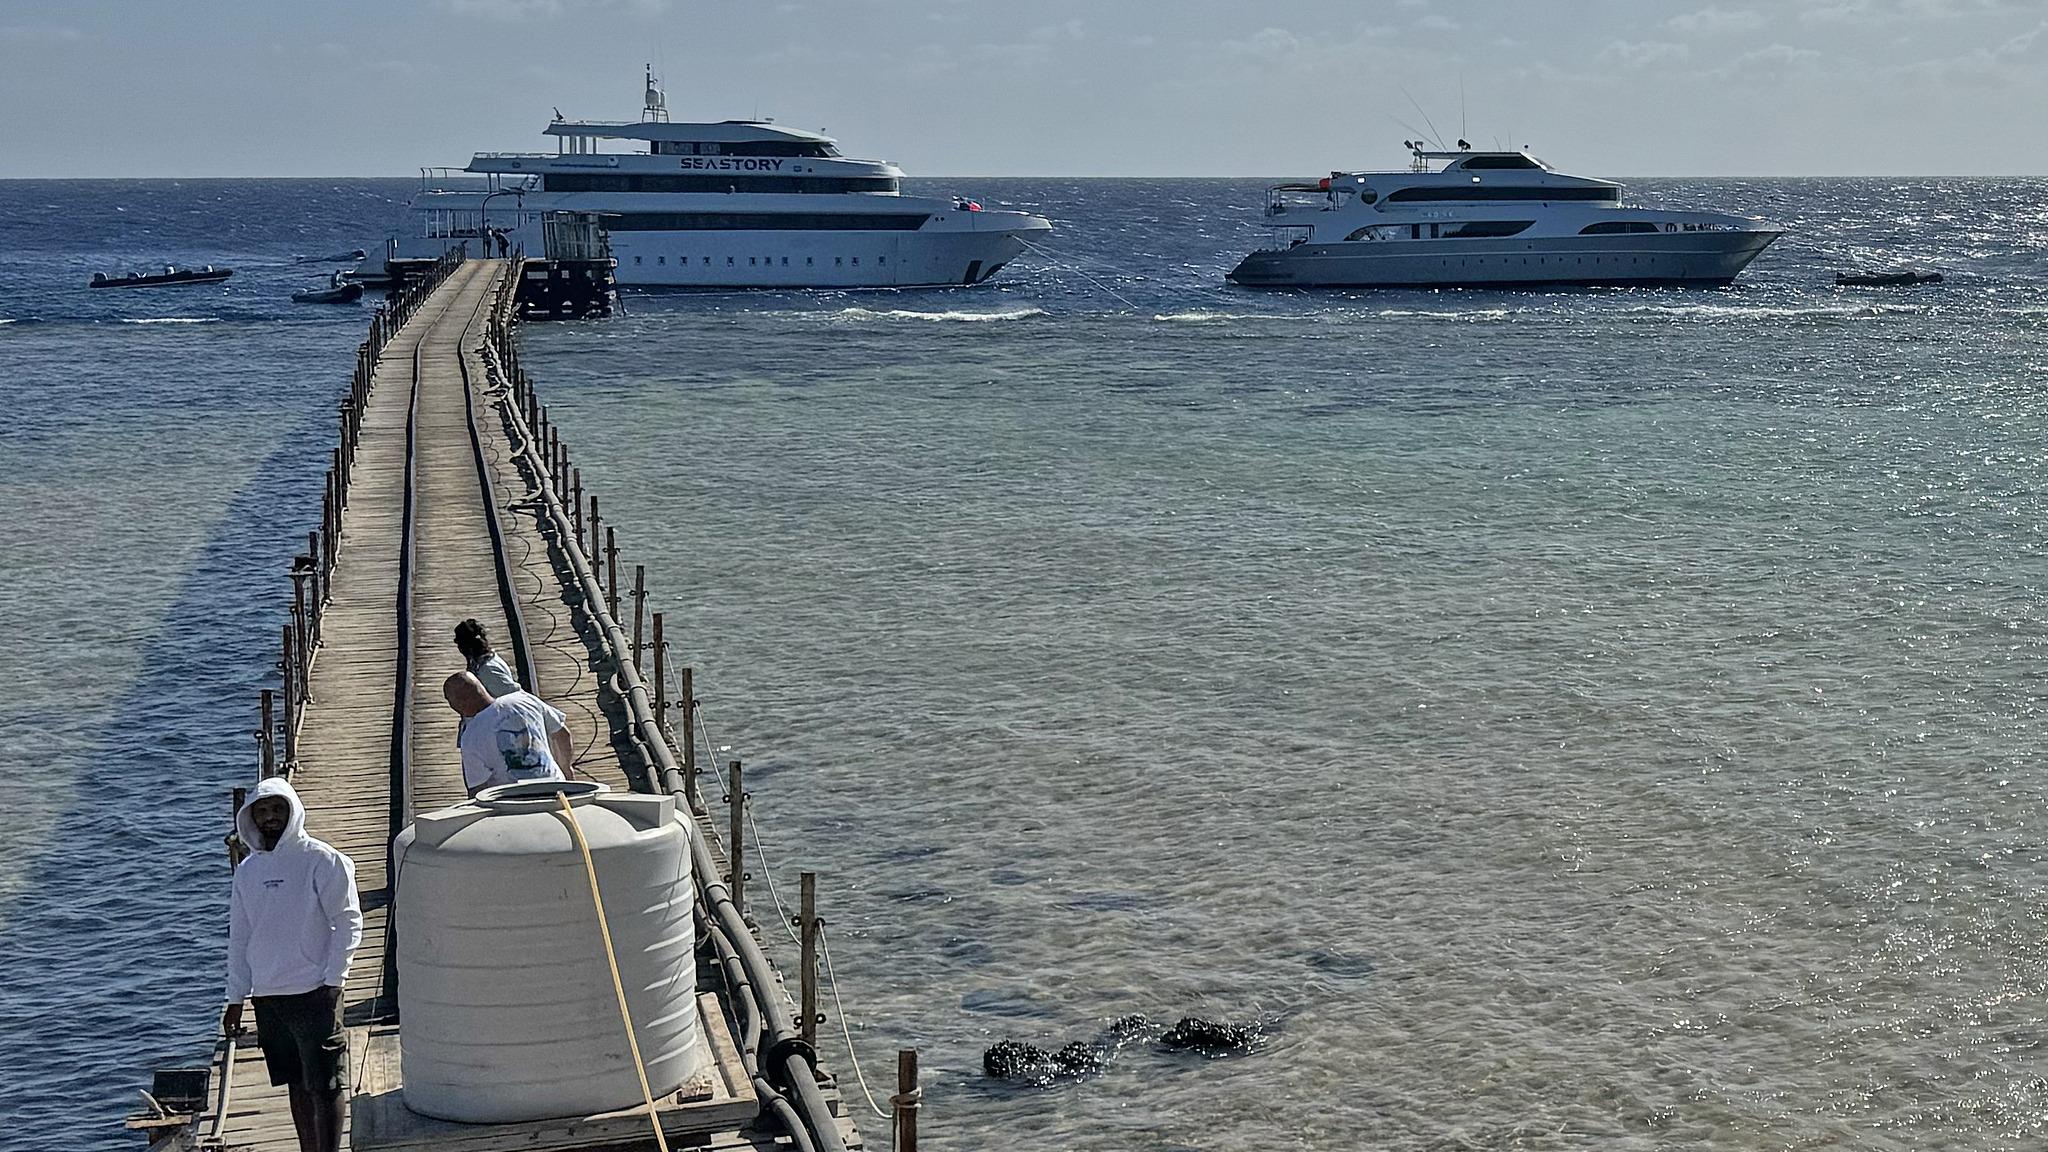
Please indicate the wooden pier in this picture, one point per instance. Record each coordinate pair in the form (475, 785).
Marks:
(449, 496)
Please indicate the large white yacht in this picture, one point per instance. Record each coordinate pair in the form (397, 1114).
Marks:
(1488, 220)
(733, 204)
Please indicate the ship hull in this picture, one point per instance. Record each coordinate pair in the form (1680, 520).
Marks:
(1704, 259)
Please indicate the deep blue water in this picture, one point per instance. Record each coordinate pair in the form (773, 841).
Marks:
(1565, 717)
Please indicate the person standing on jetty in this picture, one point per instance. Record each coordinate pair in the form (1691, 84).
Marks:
(482, 661)
(294, 923)
(507, 739)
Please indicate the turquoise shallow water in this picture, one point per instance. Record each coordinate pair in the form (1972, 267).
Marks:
(1562, 718)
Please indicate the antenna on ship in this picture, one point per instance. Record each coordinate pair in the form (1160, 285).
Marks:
(656, 109)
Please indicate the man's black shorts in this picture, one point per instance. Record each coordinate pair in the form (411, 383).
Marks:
(302, 1039)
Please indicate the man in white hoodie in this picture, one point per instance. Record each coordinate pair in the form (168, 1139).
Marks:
(293, 925)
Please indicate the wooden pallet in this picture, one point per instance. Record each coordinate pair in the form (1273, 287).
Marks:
(722, 1098)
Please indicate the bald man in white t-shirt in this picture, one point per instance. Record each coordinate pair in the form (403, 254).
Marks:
(507, 739)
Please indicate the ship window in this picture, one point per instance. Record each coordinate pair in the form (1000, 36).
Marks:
(838, 260)
(636, 259)
(881, 259)
(1489, 228)
(1505, 192)
(1513, 160)
(766, 221)
(728, 261)
(719, 180)
(1614, 227)
(707, 259)
(807, 261)
(856, 261)
(750, 261)
(1415, 231)
(785, 261)
(662, 259)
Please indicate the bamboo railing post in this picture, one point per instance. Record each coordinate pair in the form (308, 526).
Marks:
(807, 927)
(266, 733)
(291, 700)
(689, 732)
(236, 849)
(735, 849)
(660, 680)
(639, 611)
(611, 571)
(906, 1101)
(302, 611)
(317, 594)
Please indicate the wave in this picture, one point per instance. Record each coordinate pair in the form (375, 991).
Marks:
(175, 320)
(960, 317)
(1768, 312)
(1466, 314)
(1199, 316)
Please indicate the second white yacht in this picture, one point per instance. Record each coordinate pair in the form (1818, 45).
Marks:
(732, 204)
(1488, 220)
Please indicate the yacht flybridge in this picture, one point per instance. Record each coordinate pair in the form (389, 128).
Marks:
(1488, 219)
(733, 204)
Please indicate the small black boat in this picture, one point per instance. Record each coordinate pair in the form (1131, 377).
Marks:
(1885, 279)
(337, 258)
(165, 278)
(346, 292)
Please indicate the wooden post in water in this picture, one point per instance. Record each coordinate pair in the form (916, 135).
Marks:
(689, 733)
(735, 849)
(266, 733)
(905, 1102)
(807, 928)
(611, 571)
(639, 611)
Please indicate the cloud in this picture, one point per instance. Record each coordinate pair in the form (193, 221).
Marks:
(1644, 53)
(525, 11)
(44, 35)
(2010, 61)
(1900, 11)
(1775, 58)
(1714, 20)
(1438, 23)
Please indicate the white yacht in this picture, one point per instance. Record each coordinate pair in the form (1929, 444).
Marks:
(733, 204)
(1488, 220)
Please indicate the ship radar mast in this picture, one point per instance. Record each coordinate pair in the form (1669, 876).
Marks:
(656, 109)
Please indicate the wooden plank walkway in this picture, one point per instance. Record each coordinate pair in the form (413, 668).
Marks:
(345, 744)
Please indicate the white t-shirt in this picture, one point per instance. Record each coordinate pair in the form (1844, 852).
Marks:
(496, 675)
(508, 742)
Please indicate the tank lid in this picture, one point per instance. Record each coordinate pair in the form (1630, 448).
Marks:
(539, 795)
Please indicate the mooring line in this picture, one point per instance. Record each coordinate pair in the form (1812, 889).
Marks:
(1082, 273)
(825, 947)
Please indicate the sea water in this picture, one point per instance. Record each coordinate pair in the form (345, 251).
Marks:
(1554, 718)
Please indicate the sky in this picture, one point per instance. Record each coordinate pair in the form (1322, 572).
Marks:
(138, 88)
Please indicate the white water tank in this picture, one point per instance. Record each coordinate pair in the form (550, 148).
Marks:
(505, 1000)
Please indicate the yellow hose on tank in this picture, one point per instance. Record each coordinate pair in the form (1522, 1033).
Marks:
(604, 929)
